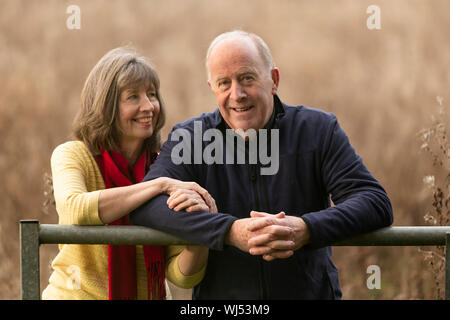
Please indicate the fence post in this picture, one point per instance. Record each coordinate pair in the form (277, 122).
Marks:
(447, 266)
(29, 260)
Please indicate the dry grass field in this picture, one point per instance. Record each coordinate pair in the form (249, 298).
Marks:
(382, 85)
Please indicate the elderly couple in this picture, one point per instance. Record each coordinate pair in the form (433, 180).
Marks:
(256, 236)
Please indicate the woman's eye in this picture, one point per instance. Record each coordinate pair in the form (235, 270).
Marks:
(151, 94)
(132, 97)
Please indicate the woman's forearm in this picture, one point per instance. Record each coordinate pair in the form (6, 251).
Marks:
(192, 259)
(114, 203)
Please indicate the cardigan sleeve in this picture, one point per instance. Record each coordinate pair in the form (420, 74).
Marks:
(173, 272)
(74, 185)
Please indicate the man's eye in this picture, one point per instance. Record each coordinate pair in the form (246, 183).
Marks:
(223, 84)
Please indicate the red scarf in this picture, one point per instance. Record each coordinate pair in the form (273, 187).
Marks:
(122, 258)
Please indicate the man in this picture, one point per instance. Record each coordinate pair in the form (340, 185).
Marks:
(291, 222)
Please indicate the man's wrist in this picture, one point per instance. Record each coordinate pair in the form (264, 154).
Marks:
(236, 236)
(304, 231)
(230, 236)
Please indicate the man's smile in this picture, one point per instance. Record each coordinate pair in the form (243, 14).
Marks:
(241, 109)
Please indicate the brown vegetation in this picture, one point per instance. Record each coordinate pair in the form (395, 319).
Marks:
(382, 85)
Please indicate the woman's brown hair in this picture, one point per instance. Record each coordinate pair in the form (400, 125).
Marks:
(96, 123)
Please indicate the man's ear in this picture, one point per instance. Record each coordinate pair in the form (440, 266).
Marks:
(275, 74)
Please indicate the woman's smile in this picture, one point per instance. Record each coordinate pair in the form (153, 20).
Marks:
(144, 121)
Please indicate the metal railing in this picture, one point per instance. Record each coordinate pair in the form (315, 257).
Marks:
(33, 234)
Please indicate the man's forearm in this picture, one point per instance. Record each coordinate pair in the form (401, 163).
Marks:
(361, 213)
(203, 228)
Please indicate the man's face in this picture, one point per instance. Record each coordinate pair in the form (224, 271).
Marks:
(243, 85)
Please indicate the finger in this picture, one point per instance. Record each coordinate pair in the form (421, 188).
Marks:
(259, 223)
(176, 193)
(197, 208)
(280, 215)
(202, 191)
(258, 251)
(202, 205)
(186, 204)
(274, 247)
(264, 238)
(268, 257)
(269, 225)
(176, 199)
(181, 197)
(277, 245)
(261, 240)
(258, 214)
(204, 194)
(282, 238)
(282, 245)
(209, 200)
(278, 255)
(213, 208)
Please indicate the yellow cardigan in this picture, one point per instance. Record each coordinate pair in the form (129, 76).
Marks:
(81, 271)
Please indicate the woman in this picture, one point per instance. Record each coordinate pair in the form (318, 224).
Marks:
(96, 181)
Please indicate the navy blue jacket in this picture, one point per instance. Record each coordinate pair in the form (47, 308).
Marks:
(316, 161)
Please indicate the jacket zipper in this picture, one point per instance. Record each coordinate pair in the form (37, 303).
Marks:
(254, 182)
(263, 185)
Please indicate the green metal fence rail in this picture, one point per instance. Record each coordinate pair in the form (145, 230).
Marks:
(33, 234)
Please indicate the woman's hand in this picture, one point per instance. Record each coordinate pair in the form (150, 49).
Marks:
(189, 196)
(189, 200)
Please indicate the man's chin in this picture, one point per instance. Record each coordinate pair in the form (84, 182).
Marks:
(246, 131)
(243, 127)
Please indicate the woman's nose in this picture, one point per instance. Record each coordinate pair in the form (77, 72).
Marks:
(146, 104)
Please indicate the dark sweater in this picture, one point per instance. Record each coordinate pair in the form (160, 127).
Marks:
(316, 161)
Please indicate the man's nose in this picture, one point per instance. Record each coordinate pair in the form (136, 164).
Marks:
(237, 91)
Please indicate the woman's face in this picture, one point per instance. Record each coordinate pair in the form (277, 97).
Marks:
(138, 113)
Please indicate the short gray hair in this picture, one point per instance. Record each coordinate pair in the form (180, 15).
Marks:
(262, 47)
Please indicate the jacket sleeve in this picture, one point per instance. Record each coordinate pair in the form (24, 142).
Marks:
(203, 228)
(361, 203)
